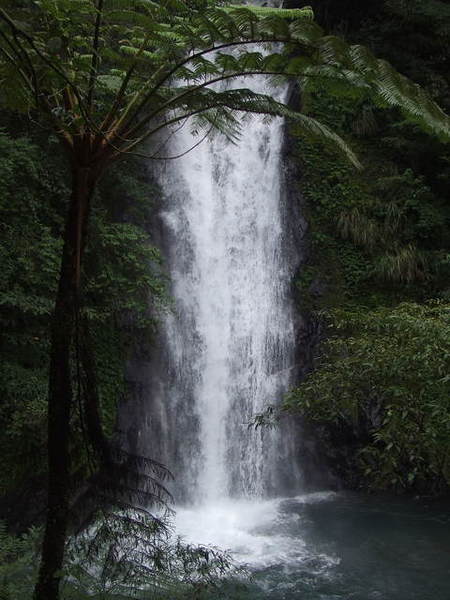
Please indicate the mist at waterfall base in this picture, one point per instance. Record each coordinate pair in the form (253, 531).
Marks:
(227, 350)
(329, 546)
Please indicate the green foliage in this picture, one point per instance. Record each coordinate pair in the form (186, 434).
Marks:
(130, 555)
(383, 375)
(378, 239)
(124, 280)
(384, 230)
(29, 250)
(17, 563)
(120, 73)
(122, 556)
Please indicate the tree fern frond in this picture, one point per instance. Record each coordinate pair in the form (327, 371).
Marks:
(305, 33)
(311, 127)
(218, 121)
(247, 101)
(356, 67)
(306, 13)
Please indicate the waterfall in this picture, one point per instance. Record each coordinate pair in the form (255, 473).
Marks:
(229, 339)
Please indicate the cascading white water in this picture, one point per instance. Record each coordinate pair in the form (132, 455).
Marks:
(230, 336)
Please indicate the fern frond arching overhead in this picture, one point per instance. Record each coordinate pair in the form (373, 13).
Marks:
(292, 14)
(154, 58)
(345, 69)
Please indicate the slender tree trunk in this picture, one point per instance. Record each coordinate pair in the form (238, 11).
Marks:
(60, 386)
(91, 405)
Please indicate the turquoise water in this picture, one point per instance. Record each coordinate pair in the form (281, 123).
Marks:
(332, 546)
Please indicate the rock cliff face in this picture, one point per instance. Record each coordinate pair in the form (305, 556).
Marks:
(319, 468)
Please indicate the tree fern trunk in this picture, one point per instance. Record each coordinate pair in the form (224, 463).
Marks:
(60, 397)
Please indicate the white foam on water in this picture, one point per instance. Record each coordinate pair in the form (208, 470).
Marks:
(258, 533)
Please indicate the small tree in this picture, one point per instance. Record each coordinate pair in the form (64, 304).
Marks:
(108, 77)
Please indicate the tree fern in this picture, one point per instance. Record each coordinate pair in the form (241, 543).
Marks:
(156, 47)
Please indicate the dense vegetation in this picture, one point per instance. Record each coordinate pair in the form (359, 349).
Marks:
(379, 272)
(125, 283)
(123, 273)
(124, 280)
(382, 387)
